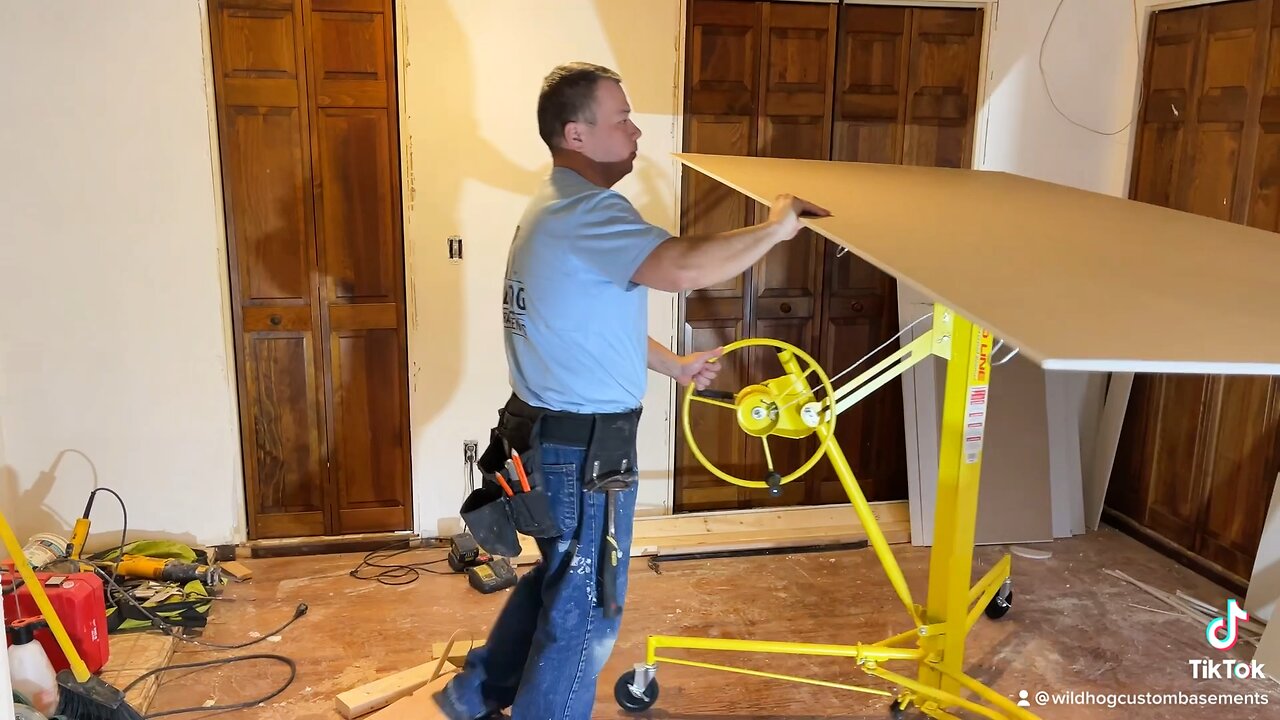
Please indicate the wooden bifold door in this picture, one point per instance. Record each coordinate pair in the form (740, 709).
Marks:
(885, 84)
(1198, 454)
(307, 124)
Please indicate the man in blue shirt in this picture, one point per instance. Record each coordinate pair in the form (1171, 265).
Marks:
(575, 312)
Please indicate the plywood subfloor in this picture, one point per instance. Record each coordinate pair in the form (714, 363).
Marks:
(1072, 629)
(133, 654)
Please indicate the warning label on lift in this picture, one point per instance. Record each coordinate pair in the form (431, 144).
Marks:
(975, 409)
(975, 422)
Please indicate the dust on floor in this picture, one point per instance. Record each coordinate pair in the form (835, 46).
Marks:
(1073, 629)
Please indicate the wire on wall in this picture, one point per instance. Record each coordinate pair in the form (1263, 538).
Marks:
(1045, 80)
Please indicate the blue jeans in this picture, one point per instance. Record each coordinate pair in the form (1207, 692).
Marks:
(551, 640)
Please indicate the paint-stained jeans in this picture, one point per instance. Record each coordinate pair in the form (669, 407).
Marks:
(551, 640)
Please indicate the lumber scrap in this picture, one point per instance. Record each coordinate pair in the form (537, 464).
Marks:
(386, 691)
(415, 706)
(1195, 611)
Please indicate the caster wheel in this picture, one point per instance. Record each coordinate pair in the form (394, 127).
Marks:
(627, 698)
(999, 607)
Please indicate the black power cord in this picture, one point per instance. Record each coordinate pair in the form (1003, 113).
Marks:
(293, 674)
(394, 573)
(117, 591)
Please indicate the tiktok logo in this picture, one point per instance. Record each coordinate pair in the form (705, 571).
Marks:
(1222, 633)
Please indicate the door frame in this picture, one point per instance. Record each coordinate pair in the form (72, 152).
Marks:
(919, 386)
(244, 530)
(240, 495)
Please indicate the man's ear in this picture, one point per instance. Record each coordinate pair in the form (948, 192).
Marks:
(572, 137)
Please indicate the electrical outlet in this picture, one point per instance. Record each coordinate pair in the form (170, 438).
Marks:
(470, 448)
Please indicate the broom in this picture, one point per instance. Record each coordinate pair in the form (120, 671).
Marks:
(83, 696)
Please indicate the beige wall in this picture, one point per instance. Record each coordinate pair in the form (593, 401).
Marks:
(114, 357)
(113, 333)
(470, 77)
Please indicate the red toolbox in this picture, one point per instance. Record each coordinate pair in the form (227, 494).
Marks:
(78, 600)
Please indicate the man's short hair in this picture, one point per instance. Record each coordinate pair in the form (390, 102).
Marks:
(568, 94)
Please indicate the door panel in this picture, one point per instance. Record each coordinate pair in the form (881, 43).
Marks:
(1197, 457)
(309, 150)
(356, 223)
(1171, 66)
(266, 164)
(361, 249)
(1218, 114)
(350, 55)
(929, 59)
(871, 82)
(287, 459)
(848, 82)
(714, 429)
(260, 80)
(942, 93)
(1182, 404)
(1242, 473)
(369, 434)
(797, 78)
(1264, 186)
(723, 75)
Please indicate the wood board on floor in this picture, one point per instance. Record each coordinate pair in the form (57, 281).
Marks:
(762, 528)
(416, 706)
(132, 655)
(389, 690)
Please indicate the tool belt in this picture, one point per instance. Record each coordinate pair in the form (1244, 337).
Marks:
(513, 496)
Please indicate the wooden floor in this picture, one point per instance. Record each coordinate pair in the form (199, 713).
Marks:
(1073, 628)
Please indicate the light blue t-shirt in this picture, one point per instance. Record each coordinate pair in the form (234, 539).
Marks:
(577, 327)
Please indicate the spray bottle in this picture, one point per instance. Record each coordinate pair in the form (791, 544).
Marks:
(29, 667)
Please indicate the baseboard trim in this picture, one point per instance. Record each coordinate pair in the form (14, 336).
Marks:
(1184, 557)
(325, 544)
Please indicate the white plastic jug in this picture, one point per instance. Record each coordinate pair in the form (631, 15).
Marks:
(29, 668)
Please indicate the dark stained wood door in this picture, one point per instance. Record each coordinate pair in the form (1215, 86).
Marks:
(309, 146)
(818, 81)
(906, 94)
(1198, 456)
(722, 109)
(356, 141)
(797, 76)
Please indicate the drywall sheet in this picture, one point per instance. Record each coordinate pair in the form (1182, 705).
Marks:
(1076, 280)
(1264, 583)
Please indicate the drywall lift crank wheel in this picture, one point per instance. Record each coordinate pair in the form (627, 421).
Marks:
(788, 406)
